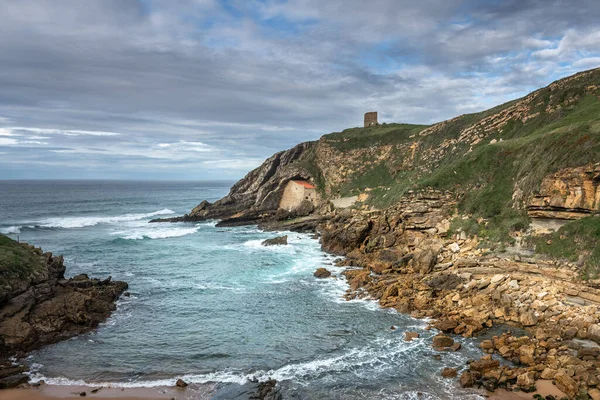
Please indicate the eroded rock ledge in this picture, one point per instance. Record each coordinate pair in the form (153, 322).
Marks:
(404, 257)
(38, 306)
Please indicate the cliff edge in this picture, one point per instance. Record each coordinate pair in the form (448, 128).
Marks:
(38, 306)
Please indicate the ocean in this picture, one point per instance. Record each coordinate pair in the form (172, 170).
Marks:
(212, 305)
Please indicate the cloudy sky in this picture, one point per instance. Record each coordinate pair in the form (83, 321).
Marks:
(206, 89)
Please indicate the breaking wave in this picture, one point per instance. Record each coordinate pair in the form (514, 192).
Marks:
(82, 222)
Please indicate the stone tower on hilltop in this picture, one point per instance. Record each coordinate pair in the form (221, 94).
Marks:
(370, 119)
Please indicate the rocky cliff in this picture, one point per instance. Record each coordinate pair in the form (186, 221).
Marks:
(442, 222)
(256, 196)
(499, 162)
(38, 306)
(570, 193)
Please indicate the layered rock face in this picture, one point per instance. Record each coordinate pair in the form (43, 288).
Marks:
(257, 195)
(38, 306)
(570, 193)
(405, 258)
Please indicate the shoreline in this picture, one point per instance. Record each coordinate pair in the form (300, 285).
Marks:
(47, 392)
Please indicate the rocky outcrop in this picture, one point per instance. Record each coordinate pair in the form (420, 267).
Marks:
(322, 273)
(405, 258)
(255, 197)
(39, 306)
(276, 241)
(570, 193)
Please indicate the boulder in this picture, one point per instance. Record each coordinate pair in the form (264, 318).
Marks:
(446, 325)
(526, 381)
(566, 384)
(425, 260)
(548, 373)
(467, 379)
(486, 345)
(409, 336)
(277, 241)
(593, 333)
(444, 282)
(180, 383)
(322, 273)
(528, 318)
(449, 372)
(442, 342)
(484, 364)
(526, 354)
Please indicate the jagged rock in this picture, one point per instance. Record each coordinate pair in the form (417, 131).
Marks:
(449, 372)
(322, 273)
(43, 307)
(409, 336)
(180, 383)
(277, 241)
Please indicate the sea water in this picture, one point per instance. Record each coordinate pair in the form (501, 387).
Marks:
(212, 305)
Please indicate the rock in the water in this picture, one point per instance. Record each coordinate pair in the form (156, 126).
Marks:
(449, 372)
(38, 306)
(442, 342)
(409, 336)
(277, 241)
(322, 273)
(249, 391)
(181, 383)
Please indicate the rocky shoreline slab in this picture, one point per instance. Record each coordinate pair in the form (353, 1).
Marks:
(38, 306)
(405, 258)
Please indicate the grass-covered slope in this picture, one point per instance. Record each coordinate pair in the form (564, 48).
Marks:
(576, 241)
(17, 260)
(493, 160)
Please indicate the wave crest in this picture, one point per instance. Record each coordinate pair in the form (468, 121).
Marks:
(82, 222)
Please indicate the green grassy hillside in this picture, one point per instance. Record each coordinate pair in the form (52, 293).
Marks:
(17, 261)
(484, 158)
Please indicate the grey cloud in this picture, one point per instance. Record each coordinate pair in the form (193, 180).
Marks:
(188, 72)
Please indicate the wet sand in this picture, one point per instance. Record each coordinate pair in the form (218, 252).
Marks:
(53, 392)
(544, 387)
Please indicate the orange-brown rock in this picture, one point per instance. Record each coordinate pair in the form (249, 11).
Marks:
(570, 193)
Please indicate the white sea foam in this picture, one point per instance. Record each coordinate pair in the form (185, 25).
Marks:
(161, 232)
(81, 222)
(10, 229)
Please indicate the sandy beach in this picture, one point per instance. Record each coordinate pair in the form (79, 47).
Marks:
(544, 388)
(48, 392)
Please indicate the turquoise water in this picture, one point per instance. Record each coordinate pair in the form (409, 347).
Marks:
(213, 306)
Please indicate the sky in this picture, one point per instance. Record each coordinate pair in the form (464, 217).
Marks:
(207, 89)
